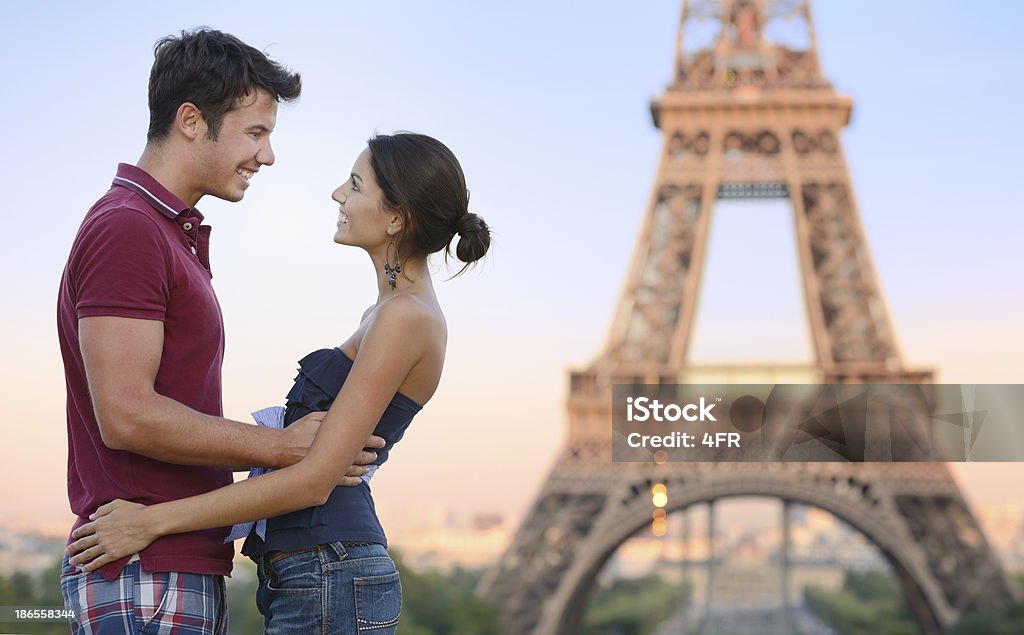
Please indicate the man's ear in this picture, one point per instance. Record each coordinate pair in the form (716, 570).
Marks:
(189, 121)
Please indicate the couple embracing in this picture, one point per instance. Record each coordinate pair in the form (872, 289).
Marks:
(142, 338)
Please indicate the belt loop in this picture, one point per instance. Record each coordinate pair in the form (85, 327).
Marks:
(339, 549)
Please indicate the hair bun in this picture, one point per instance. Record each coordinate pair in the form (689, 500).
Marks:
(474, 237)
(468, 223)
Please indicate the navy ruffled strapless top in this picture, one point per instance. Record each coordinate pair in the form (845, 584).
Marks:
(349, 513)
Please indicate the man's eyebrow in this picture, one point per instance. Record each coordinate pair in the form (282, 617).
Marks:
(259, 127)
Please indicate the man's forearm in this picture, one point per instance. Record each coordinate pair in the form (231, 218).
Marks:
(164, 429)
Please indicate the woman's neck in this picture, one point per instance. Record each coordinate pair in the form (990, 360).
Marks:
(411, 276)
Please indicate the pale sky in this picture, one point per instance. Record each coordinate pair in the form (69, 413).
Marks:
(546, 105)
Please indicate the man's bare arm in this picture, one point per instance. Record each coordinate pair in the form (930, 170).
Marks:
(122, 356)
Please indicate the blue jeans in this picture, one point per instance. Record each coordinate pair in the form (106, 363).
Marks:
(330, 588)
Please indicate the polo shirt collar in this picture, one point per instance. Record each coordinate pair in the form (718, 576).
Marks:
(163, 201)
(139, 181)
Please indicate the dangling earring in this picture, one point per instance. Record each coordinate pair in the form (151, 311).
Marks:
(391, 273)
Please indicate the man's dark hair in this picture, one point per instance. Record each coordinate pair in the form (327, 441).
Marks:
(212, 70)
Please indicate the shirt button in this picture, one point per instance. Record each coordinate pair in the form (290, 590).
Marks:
(194, 251)
(187, 227)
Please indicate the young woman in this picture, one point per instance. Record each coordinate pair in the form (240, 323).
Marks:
(322, 559)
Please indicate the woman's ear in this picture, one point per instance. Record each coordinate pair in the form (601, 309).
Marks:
(395, 223)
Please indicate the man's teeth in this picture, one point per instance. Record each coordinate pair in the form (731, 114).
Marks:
(245, 174)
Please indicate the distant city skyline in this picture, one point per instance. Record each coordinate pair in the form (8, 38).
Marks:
(748, 532)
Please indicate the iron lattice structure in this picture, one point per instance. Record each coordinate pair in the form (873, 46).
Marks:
(748, 114)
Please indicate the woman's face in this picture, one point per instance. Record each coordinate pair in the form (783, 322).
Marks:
(362, 220)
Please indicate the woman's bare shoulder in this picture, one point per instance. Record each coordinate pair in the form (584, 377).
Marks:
(418, 319)
(410, 309)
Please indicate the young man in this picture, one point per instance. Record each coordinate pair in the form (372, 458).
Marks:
(142, 337)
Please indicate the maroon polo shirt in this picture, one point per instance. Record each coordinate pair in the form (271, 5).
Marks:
(142, 253)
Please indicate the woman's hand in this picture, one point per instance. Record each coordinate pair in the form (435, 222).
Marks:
(118, 529)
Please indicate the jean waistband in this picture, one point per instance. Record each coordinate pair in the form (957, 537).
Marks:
(328, 551)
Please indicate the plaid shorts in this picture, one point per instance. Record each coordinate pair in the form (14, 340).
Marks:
(139, 602)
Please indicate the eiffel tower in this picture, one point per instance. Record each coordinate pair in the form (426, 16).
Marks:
(748, 114)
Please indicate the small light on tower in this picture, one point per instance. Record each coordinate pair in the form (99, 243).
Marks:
(659, 497)
(658, 527)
